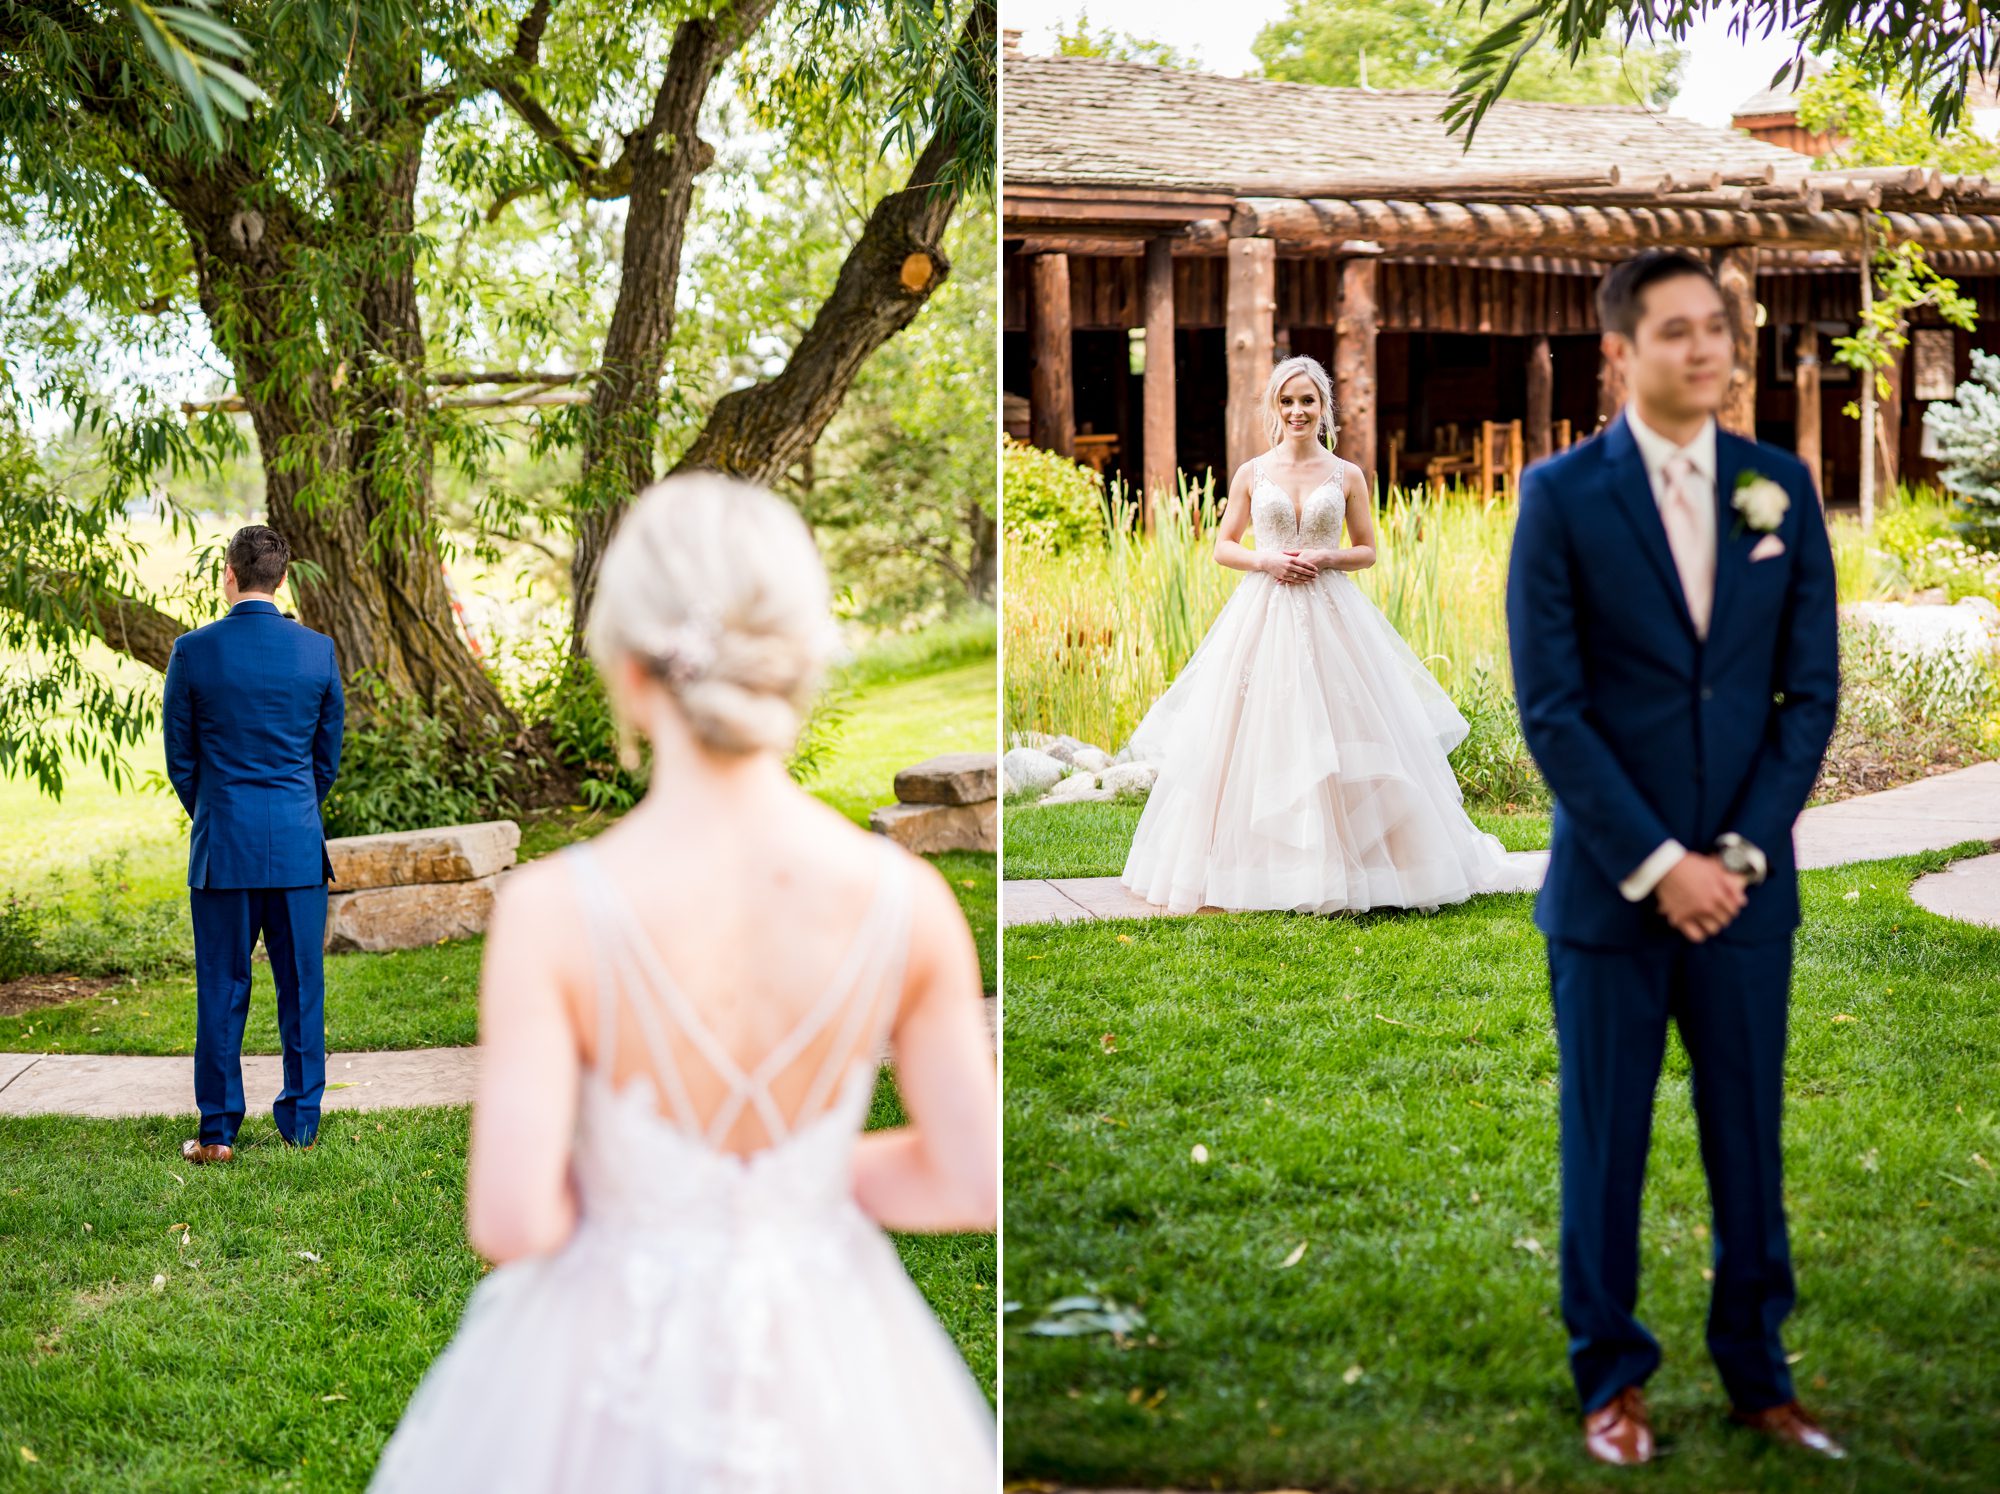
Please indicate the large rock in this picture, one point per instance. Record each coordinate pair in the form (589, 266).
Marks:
(1129, 780)
(929, 828)
(1076, 789)
(1090, 759)
(379, 918)
(954, 778)
(1028, 771)
(449, 853)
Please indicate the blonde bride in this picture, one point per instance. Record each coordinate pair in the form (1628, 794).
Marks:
(681, 1025)
(1303, 749)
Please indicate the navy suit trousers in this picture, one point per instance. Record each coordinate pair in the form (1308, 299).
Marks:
(1612, 1007)
(226, 925)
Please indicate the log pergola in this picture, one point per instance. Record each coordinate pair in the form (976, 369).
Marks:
(1139, 197)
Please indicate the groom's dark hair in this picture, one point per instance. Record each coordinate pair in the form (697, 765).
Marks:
(258, 554)
(1620, 294)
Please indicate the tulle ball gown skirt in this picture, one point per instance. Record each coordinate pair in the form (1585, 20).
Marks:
(1303, 766)
(706, 1362)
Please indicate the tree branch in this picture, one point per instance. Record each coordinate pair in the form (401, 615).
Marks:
(134, 628)
(759, 432)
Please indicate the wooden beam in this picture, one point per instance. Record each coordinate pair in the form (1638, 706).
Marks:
(1162, 457)
(1570, 229)
(1805, 379)
(1354, 338)
(1736, 273)
(1051, 394)
(1249, 322)
(1541, 396)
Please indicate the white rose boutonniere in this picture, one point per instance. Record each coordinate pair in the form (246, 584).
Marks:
(1759, 502)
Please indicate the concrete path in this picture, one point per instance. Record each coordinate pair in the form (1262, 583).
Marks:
(109, 1085)
(112, 1085)
(1926, 816)
(1968, 891)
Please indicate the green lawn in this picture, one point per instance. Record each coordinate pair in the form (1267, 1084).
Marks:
(1091, 840)
(251, 1367)
(892, 725)
(1358, 1289)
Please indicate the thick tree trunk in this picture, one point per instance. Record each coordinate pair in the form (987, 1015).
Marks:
(667, 155)
(983, 574)
(337, 398)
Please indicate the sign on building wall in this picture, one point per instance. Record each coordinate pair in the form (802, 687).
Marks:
(1931, 363)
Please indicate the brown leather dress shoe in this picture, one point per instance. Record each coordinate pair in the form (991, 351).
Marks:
(197, 1154)
(1791, 1423)
(1619, 1432)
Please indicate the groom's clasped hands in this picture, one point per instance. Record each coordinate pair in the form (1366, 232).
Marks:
(1701, 897)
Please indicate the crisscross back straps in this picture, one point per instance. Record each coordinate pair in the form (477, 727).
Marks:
(625, 961)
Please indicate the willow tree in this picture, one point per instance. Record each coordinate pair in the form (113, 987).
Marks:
(1933, 49)
(293, 238)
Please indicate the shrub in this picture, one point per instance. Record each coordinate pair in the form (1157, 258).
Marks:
(121, 937)
(401, 768)
(21, 925)
(1050, 504)
(1967, 430)
(564, 692)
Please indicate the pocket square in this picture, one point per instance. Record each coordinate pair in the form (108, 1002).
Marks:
(1766, 547)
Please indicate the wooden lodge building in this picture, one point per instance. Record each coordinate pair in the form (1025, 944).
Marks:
(1168, 235)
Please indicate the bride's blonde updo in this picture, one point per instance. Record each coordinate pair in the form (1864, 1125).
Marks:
(715, 587)
(1274, 423)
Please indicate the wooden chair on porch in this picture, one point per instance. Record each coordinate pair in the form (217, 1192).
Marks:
(1501, 455)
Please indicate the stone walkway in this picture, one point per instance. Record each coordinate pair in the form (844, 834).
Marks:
(1927, 816)
(110, 1085)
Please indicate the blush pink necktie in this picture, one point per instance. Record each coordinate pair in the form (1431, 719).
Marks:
(1694, 558)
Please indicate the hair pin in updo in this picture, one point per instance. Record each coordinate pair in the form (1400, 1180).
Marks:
(686, 651)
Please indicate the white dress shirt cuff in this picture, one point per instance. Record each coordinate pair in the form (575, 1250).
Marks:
(1639, 886)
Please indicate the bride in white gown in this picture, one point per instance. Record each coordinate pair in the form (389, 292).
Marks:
(1302, 751)
(680, 1025)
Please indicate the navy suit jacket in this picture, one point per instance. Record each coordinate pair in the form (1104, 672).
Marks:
(253, 723)
(1645, 731)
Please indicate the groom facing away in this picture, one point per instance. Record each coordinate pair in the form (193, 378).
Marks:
(1670, 606)
(253, 725)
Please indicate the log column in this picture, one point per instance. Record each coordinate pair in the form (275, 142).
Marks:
(1051, 392)
(1354, 338)
(1610, 388)
(1805, 377)
(1250, 320)
(1162, 455)
(1541, 396)
(1736, 273)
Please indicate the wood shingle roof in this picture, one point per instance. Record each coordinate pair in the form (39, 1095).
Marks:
(1091, 122)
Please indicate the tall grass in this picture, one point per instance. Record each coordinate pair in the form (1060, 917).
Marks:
(1095, 635)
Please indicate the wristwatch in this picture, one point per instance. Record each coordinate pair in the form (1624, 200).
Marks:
(1741, 857)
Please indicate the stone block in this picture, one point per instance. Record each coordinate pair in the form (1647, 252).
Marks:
(448, 853)
(379, 918)
(953, 778)
(929, 828)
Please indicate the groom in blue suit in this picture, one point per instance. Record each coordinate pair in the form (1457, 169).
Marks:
(253, 723)
(1670, 609)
